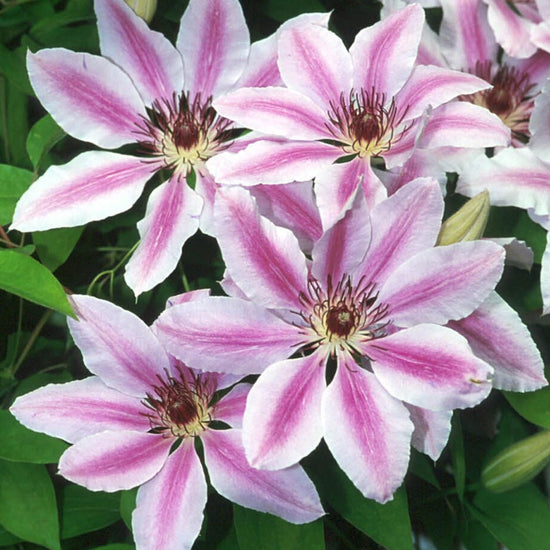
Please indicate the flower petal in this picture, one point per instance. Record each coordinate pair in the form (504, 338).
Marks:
(443, 283)
(277, 111)
(153, 64)
(93, 186)
(545, 279)
(287, 493)
(367, 431)
(77, 409)
(214, 41)
(430, 366)
(282, 420)
(114, 461)
(315, 62)
(264, 260)
(206, 188)
(230, 408)
(272, 162)
(117, 346)
(172, 217)
(431, 430)
(383, 55)
(169, 507)
(539, 124)
(226, 335)
(497, 335)
(88, 96)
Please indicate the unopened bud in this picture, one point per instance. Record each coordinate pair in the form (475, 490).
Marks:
(468, 224)
(517, 464)
(144, 8)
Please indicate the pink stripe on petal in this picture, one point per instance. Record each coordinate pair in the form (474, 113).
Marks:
(286, 493)
(278, 111)
(430, 366)
(226, 335)
(77, 409)
(206, 188)
(497, 335)
(172, 217)
(114, 461)
(147, 56)
(214, 41)
(443, 283)
(383, 55)
(282, 420)
(93, 186)
(117, 346)
(264, 260)
(431, 430)
(230, 408)
(272, 162)
(315, 62)
(367, 431)
(169, 507)
(88, 96)
(261, 69)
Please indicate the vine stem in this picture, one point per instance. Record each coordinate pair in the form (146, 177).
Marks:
(30, 342)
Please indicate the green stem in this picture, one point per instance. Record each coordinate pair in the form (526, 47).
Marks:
(30, 342)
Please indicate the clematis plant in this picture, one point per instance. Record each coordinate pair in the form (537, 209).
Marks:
(366, 315)
(144, 91)
(136, 421)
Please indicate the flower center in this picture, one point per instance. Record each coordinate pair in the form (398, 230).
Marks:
(364, 124)
(183, 134)
(181, 406)
(509, 98)
(343, 316)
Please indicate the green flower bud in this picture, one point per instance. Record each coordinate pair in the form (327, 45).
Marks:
(468, 224)
(518, 463)
(144, 8)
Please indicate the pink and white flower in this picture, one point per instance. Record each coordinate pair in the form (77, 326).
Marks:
(145, 91)
(368, 104)
(365, 313)
(135, 423)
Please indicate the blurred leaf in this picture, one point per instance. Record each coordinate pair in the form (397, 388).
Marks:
(533, 406)
(281, 10)
(84, 511)
(13, 183)
(6, 537)
(127, 506)
(16, 121)
(13, 67)
(475, 536)
(230, 542)
(519, 519)
(55, 246)
(438, 518)
(29, 279)
(116, 546)
(421, 466)
(456, 444)
(42, 137)
(42, 378)
(27, 503)
(257, 530)
(19, 444)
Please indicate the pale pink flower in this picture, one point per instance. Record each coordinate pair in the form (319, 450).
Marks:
(135, 423)
(365, 313)
(145, 91)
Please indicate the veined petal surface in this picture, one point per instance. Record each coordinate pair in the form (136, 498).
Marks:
(88, 96)
(230, 408)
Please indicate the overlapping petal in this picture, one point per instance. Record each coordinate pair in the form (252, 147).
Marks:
(230, 408)
(431, 430)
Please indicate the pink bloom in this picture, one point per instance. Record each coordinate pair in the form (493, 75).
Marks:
(368, 104)
(125, 422)
(145, 91)
(366, 313)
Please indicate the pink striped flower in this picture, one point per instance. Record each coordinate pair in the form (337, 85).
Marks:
(135, 422)
(365, 313)
(366, 105)
(145, 91)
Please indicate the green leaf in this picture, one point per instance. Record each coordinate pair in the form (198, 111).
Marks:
(230, 542)
(55, 246)
(456, 444)
(84, 511)
(13, 183)
(388, 524)
(17, 126)
(475, 536)
(281, 10)
(41, 378)
(13, 67)
(258, 530)
(42, 137)
(519, 519)
(19, 444)
(7, 538)
(29, 279)
(116, 546)
(127, 506)
(27, 503)
(534, 406)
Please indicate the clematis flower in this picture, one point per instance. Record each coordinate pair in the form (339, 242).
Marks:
(365, 313)
(144, 91)
(368, 104)
(135, 423)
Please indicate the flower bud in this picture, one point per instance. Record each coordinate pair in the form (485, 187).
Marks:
(518, 463)
(144, 8)
(468, 224)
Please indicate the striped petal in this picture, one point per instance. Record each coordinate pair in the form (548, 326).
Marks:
(230, 408)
